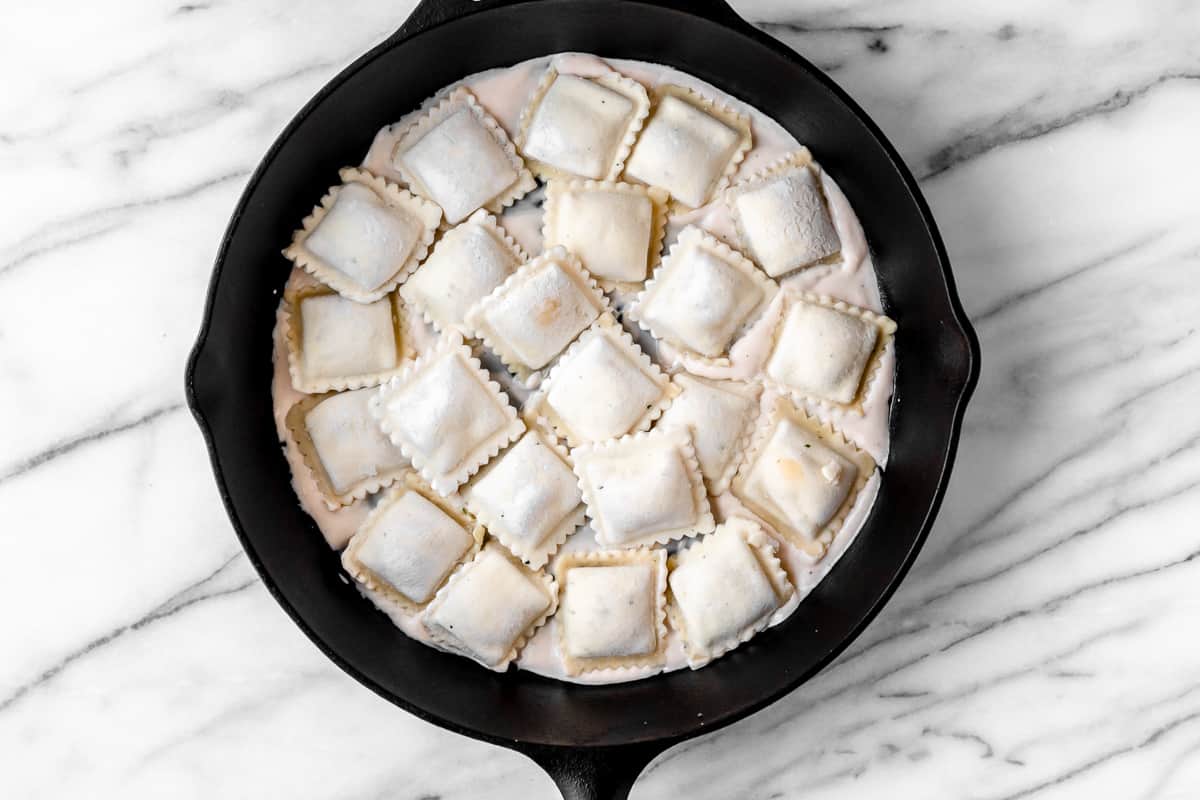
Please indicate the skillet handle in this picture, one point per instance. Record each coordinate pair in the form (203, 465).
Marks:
(431, 13)
(594, 773)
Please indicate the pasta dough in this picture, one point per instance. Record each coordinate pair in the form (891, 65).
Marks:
(725, 589)
(643, 489)
(783, 218)
(528, 498)
(447, 415)
(702, 295)
(582, 126)
(719, 416)
(825, 349)
(612, 612)
(489, 608)
(366, 237)
(690, 146)
(616, 229)
(802, 477)
(530, 318)
(410, 544)
(335, 343)
(604, 386)
(343, 448)
(461, 159)
(469, 262)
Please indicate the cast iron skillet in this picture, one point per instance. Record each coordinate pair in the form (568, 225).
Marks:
(592, 740)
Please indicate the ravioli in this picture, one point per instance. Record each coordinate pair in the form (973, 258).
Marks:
(528, 498)
(719, 416)
(410, 544)
(346, 454)
(612, 613)
(825, 350)
(459, 157)
(490, 607)
(643, 490)
(539, 310)
(690, 146)
(335, 343)
(469, 261)
(366, 237)
(725, 589)
(582, 126)
(802, 477)
(447, 415)
(702, 296)
(783, 217)
(615, 229)
(603, 430)
(604, 386)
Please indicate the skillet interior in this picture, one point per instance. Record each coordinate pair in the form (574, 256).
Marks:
(229, 374)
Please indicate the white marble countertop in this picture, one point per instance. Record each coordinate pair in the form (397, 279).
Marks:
(1045, 644)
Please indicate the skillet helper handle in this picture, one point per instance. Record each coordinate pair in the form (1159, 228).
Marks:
(431, 13)
(595, 773)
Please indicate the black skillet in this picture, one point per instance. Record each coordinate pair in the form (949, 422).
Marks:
(593, 741)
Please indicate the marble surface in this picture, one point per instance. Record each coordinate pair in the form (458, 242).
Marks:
(1044, 646)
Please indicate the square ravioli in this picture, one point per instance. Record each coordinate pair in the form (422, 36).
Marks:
(826, 350)
(720, 416)
(702, 296)
(459, 157)
(539, 310)
(582, 126)
(782, 216)
(725, 589)
(690, 146)
(802, 476)
(410, 544)
(528, 498)
(643, 489)
(366, 237)
(342, 446)
(490, 607)
(616, 229)
(335, 343)
(467, 263)
(604, 386)
(446, 414)
(612, 611)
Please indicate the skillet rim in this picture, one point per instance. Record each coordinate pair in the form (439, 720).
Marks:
(961, 391)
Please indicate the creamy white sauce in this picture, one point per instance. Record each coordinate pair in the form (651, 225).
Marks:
(503, 92)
